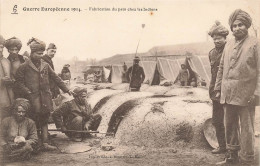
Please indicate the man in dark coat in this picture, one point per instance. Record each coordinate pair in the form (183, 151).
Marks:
(218, 33)
(238, 85)
(33, 80)
(51, 51)
(76, 115)
(13, 46)
(135, 75)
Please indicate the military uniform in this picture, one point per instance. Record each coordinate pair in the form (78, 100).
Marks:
(54, 88)
(217, 111)
(136, 76)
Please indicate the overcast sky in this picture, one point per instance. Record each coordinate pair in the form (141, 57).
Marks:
(101, 34)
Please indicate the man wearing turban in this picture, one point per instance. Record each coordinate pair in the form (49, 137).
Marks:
(33, 80)
(218, 33)
(76, 115)
(13, 46)
(18, 134)
(238, 85)
(6, 92)
(51, 51)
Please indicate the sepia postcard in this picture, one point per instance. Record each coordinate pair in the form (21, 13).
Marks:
(134, 82)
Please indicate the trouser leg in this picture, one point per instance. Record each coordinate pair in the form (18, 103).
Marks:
(218, 122)
(44, 133)
(232, 127)
(247, 138)
(75, 124)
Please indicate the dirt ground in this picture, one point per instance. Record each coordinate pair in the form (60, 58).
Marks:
(123, 155)
(126, 155)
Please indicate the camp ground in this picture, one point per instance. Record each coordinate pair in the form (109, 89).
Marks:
(163, 68)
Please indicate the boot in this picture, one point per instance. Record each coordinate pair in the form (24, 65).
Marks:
(218, 150)
(230, 158)
(47, 147)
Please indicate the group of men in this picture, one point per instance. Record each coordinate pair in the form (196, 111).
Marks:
(27, 87)
(234, 88)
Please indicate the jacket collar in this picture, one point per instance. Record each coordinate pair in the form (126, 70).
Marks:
(43, 64)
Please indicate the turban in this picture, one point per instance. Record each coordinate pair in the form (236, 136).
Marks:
(13, 42)
(242, 16)
(218, 29)
(51, 46)
(136, 58)
(78, 91)
(66, 66)
(36, 45)
(21, 102)
(2, 40)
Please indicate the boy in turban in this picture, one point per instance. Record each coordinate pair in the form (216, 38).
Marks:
(18, 134)
(218, 33)
(76, 115)
(238, 85)
(6, 92)
(33, 80)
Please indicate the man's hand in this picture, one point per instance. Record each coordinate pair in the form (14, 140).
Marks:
(218, 94)
(86, 127)
(253, 100)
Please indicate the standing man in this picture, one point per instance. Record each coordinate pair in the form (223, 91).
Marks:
(136, 75)
(6, 93)
(51, 51)
(13, 46)
(238, 82)
(33, 79)
(218, 34)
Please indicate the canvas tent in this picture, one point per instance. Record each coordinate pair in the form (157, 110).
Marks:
(168, 69)
(200, 65)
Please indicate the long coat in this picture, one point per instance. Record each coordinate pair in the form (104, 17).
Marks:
(35, 84)
(15, 64)
(239, 72)
(6, 93)
(214, 59)
(135, 76)
(54, 88)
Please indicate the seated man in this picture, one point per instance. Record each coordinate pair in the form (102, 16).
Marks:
(183, 75)
(18, 134)
(76, 115)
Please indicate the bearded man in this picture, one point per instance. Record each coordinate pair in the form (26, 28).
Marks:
(238, 83)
